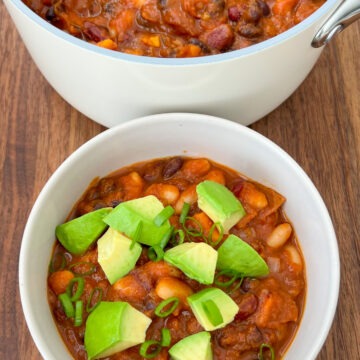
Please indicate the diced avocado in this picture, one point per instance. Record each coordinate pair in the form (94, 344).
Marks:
(220, 204)
(78, 234)
(196, 260)
(116, 255)
(218, 298)
(197, 346)
(236, 255)
(127, 216)
(113, 327)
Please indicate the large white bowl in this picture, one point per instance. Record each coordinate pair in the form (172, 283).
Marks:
(194, 135)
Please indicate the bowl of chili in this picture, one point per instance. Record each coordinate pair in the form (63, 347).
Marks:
(234, 59)
(175, 161)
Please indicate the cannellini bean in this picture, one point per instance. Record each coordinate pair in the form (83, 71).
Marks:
(279, 235)
(168, 287)
(252, 196)
(133, 185)
(294, 256)
(217, 176)
(59, 280)
(196, 167)
(167, 194)
(189, 196)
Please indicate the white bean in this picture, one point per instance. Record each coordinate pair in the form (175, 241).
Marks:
(279, 236)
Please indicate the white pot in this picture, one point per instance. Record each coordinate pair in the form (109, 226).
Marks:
(111, 87)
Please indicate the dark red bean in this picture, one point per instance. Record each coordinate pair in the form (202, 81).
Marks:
(264, 7)
(234, 13)
(249, 30)
(93, 32)
(50, 14)
(237, 187)
(247, 306)
(171, 167)
(220, 38)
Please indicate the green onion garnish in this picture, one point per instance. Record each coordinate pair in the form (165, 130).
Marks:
(227, 273)
(155, 253)
(166, 237)
(178, 237)
(80, 283)
(78, 318)
(96, 294)
(266, 346)
(165, 337)
(214, 226)
(184, 212)
(57, 263)
(137, 234)
(67, 305)
(194, 232)
(170, 303)
(150, 345)
(213, 313)
(90, 265)
(164, 215)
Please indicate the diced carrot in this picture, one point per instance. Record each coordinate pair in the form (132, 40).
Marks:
(107, 44)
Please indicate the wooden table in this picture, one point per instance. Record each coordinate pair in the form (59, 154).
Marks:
(319, 125)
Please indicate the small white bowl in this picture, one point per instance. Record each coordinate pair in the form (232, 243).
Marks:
(156, 136)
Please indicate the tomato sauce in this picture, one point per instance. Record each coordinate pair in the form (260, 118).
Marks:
(174, 28)
(270, 308)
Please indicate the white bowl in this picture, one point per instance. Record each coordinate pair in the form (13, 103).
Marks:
(156, 136)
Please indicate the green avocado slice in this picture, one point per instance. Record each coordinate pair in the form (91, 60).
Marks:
(196, 260)
(225, 308)
(127, 216)
(113, 327)
(238, 256)
(197, 346)
(78, 234)
(117, 255)
(220, 204)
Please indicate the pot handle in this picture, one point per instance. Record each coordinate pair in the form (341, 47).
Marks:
(345, 14)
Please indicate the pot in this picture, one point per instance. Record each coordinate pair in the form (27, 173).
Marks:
(244, 85)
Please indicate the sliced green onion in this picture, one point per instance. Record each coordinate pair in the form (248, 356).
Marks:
(67, 305)
(238, 284)
(164, 215)
(150, 345)
(78, 318)
(155, 253)
(219, 227)
(193, 232)
(165, 337)
(184, 212)
(227, 273)
(80, 283)
(91, 304)
(166, 237)
(170, 303)
(213, 313)
(82, 263)
(58, 262)
(266, 346)
(137, 234)
(178, 237)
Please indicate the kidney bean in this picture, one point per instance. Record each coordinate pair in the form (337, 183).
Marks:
(264, 7)
(237, 187)
(249, 30)
(221, 37)
(234, 13)
(171, 167)
(247, 306)
(50, 14)
(94, 32)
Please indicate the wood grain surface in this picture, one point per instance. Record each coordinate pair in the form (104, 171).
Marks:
(319, 126)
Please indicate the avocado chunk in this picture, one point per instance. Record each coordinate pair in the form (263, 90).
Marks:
(213, 308)
(197, 346)
(116, 254)
(127, 216)
(196, 260)
(113, 327)
(220, 204)
(238, 256)
(78, 234)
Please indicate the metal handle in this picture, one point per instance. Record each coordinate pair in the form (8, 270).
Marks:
(345, 14)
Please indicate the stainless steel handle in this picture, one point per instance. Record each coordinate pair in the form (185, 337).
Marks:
(345, 14)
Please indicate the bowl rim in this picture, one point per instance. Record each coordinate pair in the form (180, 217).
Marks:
(334, 284)
(211, 59)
